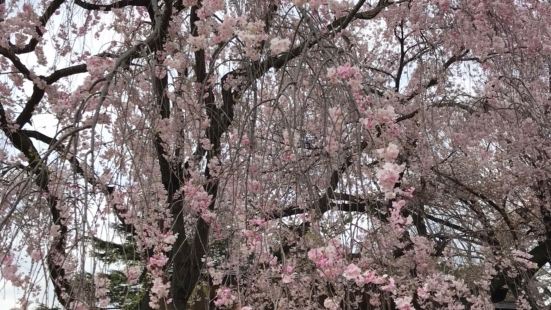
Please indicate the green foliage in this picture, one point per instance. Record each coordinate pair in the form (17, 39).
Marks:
(111, 252)
(123, 294)
(44, 307)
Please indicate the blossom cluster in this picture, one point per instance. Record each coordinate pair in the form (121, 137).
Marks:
(102, 290)
(198, 200)
(160, 289)
(328, 259)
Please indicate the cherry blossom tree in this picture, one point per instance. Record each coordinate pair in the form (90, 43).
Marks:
(277, 154)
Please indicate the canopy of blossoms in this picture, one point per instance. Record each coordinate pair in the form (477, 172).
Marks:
(275, 154)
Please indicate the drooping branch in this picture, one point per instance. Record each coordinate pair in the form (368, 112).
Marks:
(56, 254)
(502, 282)
(48, 13)
(259, 68)
(482, 197)
(435, 80)
(80, 168)
(324, 204)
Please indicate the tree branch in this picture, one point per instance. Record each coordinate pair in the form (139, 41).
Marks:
(56, 254)
(109, 7)
(29, 47)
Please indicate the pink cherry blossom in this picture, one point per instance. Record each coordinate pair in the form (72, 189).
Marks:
(158, 261)
(404, 303)
(352, 272)
(390, 153)
(224, 297)
(133, 274)
(388, 175)
(331, 304)
(264, 154)
(278, 45)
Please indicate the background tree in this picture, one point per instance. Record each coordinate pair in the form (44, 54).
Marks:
(276, 154)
